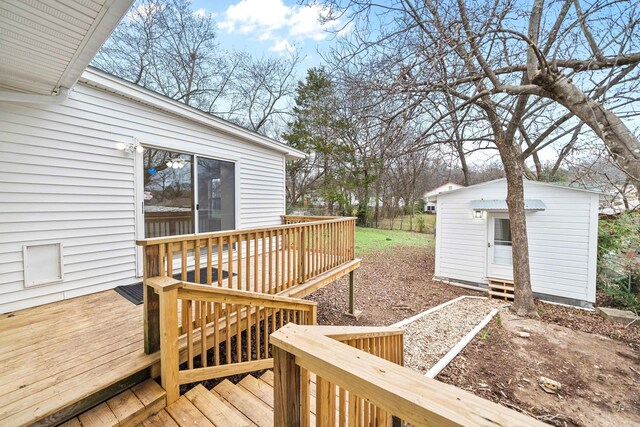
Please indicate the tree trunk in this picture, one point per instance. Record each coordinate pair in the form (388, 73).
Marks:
(523, 304)
(463, 163)
(523, 300)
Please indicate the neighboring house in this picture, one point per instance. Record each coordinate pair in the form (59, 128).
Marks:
(620, 199)
(473, 239)
(431, 197)
(92, 162)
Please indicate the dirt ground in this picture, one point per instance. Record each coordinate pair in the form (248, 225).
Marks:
(389, 287)
(598, 364)
(599, 377)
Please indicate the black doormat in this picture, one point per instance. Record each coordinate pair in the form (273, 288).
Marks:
(134, 292)
(191, 275)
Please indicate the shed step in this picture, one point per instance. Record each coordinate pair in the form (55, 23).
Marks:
(502, 287)
(128, 408)
(503, 295)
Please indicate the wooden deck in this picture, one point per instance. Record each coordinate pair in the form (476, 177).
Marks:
(59, 354)
(63, 357)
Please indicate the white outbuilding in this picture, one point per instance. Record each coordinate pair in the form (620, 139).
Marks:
(473, 239)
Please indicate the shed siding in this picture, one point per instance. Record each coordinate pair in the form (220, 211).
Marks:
(562, 238)
(63, 180)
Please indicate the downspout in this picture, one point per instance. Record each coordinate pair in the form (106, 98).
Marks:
(59, 96)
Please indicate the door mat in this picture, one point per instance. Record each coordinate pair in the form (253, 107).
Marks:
(134, 292)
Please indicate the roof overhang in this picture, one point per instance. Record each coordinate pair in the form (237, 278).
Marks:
(501, 205)
(45, 46)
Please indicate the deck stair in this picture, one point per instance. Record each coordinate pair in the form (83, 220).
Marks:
(128, 408)
(248, 403)
(501, 289)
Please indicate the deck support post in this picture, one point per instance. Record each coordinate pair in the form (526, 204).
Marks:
(353, 313)
(151, 300)
(286, 389)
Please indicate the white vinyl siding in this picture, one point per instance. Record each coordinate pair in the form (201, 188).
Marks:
(562, 238)
(63, 180)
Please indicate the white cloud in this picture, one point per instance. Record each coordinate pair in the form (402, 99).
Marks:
(269, 14)
(304, 23)
(274, 20)
(282, 46)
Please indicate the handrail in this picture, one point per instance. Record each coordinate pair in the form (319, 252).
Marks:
(364, 379)
(222, 332)
(227, 233)
(267, 260)
(293, 219)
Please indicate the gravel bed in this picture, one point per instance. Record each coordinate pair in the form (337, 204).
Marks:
(429, 338)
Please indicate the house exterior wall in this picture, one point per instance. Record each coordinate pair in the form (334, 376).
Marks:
(562, 239)
(62, 180)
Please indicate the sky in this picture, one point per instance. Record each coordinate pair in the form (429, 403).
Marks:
(271, 27)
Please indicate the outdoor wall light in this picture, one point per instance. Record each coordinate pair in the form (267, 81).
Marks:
(477, 214)
(127, 146)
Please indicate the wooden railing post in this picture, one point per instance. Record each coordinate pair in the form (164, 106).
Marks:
(286, 389)
(152, 267)
(167, 289)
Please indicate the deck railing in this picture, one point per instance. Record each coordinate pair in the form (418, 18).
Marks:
(221, 331)
(266, 260)
(364, 381)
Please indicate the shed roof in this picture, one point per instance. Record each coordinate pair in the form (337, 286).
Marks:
(526, 181)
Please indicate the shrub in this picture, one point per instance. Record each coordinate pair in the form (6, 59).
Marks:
(619, 260)
(421, 223)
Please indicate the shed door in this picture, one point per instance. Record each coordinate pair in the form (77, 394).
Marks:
(499, 257)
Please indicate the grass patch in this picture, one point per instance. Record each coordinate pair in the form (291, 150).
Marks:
(370, 240)
(404, 223)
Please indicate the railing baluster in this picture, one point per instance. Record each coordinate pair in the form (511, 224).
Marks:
(219, 266)
(305, 398)
(189, 325)
(270, 262)
(248, 332)
(230, 262)
(277, 261)
(170, 259)
(239, 261)
(216, 332)
(227, 339)
(248, 261)
(342, 407)
(238, 333)
(203, 334)
(263, 257)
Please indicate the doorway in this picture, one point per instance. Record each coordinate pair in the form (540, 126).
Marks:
(499, 246)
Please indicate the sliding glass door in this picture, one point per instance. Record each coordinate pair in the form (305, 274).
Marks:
(186, 194)
(168, 193)
(216, 195)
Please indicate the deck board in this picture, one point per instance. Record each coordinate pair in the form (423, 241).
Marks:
(54, 356)
(86, 344)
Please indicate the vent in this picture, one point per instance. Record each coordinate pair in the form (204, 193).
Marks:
(42, 264)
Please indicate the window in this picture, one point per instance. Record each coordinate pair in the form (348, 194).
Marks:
(502, 242)
(186, 194)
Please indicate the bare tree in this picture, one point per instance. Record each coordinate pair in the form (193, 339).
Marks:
(476, 52)
(166, 46)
